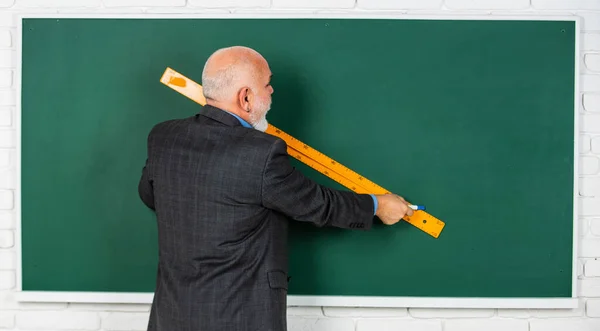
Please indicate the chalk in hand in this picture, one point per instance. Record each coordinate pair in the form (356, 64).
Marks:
(417, 207)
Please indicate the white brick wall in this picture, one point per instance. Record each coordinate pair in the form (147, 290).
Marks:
(71, 316)
(320, 324)
(7, 279)
(566, 4)
(585, 143)
(450, 313)
(6, 114)
(6, 58)
(595, 227)
(590, 187)
(487, 4)
(143, 3)
(58, 3)
(590, 287)
(6, 199)
(7, 98)
(487, 324)
(58, 320)
(593, 308)
(8, 260)
(591, 121)
(125, 321)
(229, 3)
(592, 268)
(591, 102)
(5, 38)
(7, 239)
(565, 324)
(6, 78)
(589, 206)
(595, 145)
(7, 320)
(5, 158)
(394, 324)
(590, 82)
(589, 165)
(584, 225)
(591, 21)
(392, 4)
(590, 41)
(592, 61)
(313, 4)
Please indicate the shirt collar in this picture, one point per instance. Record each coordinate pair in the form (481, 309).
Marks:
(244, 123)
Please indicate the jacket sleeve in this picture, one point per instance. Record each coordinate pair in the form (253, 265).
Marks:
(145, 188)
(287, 190)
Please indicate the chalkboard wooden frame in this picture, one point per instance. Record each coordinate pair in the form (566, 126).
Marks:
(146, 298)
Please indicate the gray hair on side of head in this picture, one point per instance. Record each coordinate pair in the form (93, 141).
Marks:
(223, 84)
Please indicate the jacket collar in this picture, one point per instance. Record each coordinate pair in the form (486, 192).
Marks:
(219, 115)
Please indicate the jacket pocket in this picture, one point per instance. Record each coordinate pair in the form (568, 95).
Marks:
(277, 279)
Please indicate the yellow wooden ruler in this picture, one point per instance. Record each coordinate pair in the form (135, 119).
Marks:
(311, 157)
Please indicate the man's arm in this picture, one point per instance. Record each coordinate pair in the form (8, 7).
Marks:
(145, 189)
(288, 191)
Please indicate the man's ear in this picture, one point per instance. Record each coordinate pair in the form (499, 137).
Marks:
(245, 98)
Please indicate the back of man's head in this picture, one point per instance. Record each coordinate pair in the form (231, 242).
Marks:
(229, 69)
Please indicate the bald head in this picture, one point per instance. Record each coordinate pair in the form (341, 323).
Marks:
(237, 79)
(229, 69)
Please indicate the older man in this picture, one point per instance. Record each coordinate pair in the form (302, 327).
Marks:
(223, 192)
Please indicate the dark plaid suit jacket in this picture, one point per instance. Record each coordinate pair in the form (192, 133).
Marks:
(223, 195)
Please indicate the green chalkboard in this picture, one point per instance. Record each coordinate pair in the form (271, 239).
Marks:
(472, 118)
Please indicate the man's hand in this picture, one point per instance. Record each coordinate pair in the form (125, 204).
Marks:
(391, 208)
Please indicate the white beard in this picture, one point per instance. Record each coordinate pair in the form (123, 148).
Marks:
(261, 123)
